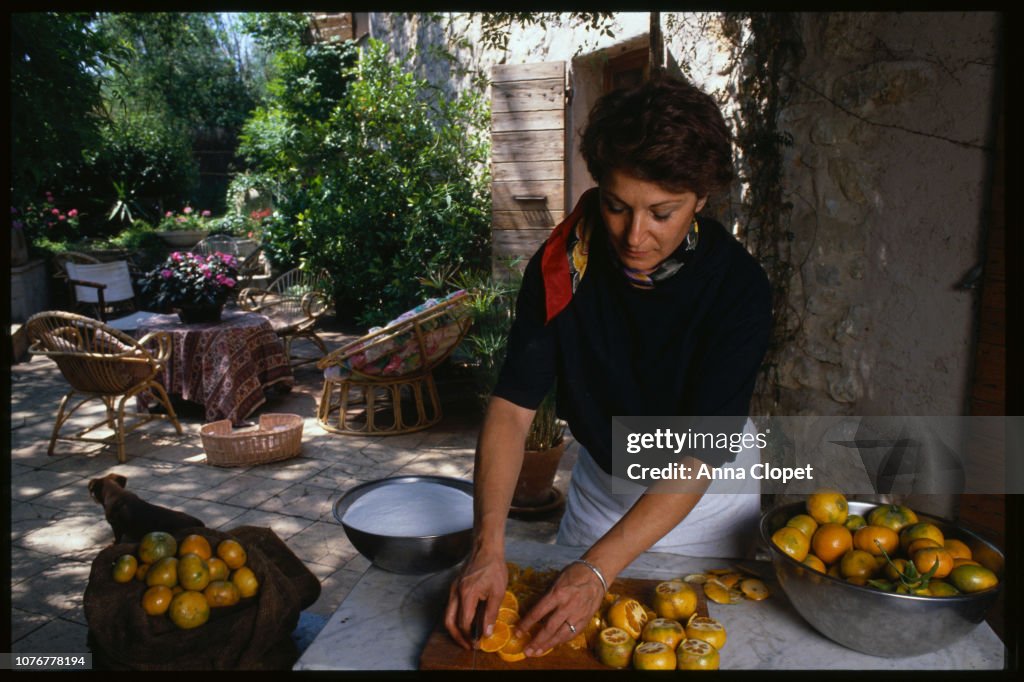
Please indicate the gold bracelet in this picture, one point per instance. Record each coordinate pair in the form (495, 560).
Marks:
(593, 568)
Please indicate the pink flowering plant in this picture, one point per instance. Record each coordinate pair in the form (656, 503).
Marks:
(189, 279)
(187, 219)
(46, 220)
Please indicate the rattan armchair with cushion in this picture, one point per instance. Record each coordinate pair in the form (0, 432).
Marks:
(293, 303)
(100, 362)
(367, 380)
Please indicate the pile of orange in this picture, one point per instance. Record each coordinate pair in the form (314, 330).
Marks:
(891, 550)
(186, 580)
(665, 635)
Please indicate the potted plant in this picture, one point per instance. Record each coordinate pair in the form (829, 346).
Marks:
(194, 286)
(184, 229)
(492, 300)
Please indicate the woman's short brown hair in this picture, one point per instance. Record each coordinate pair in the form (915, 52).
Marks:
(665, 131)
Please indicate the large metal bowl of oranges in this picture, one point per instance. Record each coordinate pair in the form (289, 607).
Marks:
(880, 578)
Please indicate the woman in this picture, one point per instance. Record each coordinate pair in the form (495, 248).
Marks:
(637, 306)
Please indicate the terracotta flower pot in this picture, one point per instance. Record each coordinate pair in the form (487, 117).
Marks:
(537, 476)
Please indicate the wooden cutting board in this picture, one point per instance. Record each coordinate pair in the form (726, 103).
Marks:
(442, 653)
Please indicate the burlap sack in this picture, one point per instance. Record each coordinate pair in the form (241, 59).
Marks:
(251, 635)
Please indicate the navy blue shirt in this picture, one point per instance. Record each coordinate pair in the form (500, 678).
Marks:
(690, 346)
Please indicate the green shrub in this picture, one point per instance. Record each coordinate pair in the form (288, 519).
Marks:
(379, 177)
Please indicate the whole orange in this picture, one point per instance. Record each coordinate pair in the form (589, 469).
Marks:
(831, 541)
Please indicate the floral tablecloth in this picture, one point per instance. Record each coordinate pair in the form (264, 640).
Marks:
(225, 366)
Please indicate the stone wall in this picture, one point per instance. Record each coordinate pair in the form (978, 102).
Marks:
(890, 118)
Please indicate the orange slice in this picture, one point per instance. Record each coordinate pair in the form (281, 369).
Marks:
(497, 639)
(507, 615)
(510, 601)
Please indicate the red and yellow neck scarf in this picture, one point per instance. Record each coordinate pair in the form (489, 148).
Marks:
(567, 249)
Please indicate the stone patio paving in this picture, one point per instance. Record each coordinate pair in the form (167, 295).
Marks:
(57, 529)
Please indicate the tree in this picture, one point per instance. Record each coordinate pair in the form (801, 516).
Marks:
(56, 61)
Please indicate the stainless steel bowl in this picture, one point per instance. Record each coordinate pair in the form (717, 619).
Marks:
(875, 622)
(404, 554)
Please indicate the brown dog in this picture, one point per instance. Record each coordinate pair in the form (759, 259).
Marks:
(132, 517)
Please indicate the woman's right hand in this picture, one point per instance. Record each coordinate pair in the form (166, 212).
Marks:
(483, 579)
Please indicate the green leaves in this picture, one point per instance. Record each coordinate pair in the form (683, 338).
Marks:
(379, 177)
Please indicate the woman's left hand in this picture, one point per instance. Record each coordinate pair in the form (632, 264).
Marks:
(573, 599)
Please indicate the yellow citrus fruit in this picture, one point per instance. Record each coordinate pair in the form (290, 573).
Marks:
(936, 557)
(791, 541)
(957, 549)
(707, 630)
(827, 506)
(674, 599)
(970, 578)
(193, 573)
(163, 572)
(177, 589)
(815, 563)
(246, 582)
(895, 517)
(857, 564)
(218, 569)
(629, 615)
(831, 541)
(854, 522)
(893, 570)
(615, 647)
(654, 656)
(497, 639)
(125, 568)
(803, 523)
(938, 588)
(157, 599)
(221, 593)
(189, 609)
(957, 563)
(232, 553)
(874, 539)
(920, 544)
(665, 630)
(920, 530)
(140, 572)
(195, 544)
(155, 546)
(696, 654)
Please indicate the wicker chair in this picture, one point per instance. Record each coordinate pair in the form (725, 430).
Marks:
(293, 303)
(101, 362)
(368, 378)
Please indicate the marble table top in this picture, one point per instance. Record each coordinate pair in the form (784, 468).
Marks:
(386, 619)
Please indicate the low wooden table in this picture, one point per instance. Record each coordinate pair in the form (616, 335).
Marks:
(225, 366)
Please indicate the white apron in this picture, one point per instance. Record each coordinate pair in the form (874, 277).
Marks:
(721, 525)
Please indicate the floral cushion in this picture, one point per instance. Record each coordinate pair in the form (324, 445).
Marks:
(399, 354)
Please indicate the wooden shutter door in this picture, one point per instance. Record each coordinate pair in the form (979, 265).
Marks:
(527, 157)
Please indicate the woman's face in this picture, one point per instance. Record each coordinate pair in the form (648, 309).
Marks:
(646, 223)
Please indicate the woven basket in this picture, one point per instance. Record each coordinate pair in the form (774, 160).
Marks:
(278, 437)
